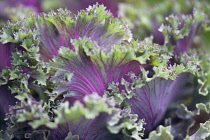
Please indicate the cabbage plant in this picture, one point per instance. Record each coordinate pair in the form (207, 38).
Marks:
(84, 76)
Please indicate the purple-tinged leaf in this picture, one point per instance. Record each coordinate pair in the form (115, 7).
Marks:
(5, 57)
(151, 101)
(60, 28)
(6, 100)
(93, 73)
(94, 129)
(182, 29)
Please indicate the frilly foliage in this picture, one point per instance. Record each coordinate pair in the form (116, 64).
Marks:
(69, 70)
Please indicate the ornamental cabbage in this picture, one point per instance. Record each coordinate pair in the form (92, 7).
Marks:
(85, 76)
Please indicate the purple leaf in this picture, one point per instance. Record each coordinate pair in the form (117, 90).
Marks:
(152, 100)
(5, 57)
(95, 23)
(95, 73)
(94, 129)
(6, 100)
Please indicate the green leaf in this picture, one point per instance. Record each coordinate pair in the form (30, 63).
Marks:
(202, 133)
(163, 133)
(71, 137)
